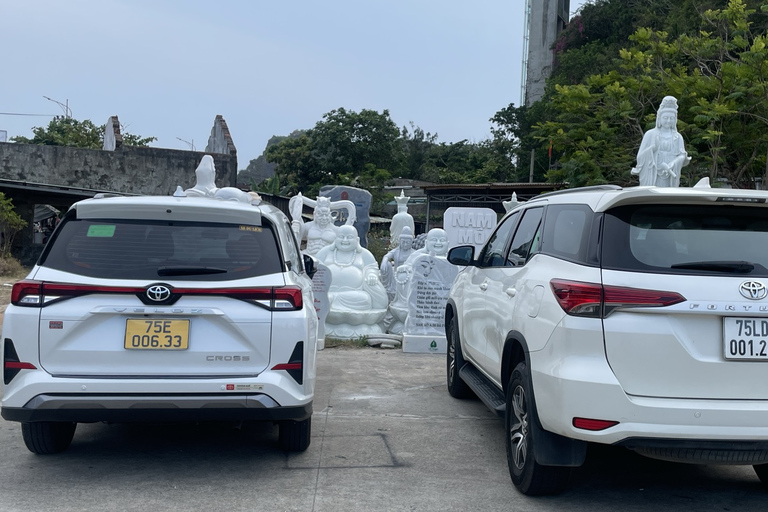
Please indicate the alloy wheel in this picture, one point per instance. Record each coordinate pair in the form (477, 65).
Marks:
(518, 428)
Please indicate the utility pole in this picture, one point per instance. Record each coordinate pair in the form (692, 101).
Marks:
(64, 106)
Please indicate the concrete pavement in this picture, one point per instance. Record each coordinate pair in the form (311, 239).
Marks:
(385, 436)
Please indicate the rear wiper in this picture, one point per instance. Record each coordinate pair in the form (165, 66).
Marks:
(189, 271)
(737, 267)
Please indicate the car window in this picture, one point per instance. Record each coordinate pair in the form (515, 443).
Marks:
(492, 254)
(119, 249)
(291, 249)
(525, 237)
(566, 231)
(687, 239)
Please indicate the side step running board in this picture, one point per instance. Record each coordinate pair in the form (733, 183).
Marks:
(489, 394)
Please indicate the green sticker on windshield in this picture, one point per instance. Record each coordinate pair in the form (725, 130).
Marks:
(101, 231)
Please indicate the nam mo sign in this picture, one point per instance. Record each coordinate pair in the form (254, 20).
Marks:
(469, 226)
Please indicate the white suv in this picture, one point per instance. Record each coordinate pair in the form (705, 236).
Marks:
(162, 309)
(635, 317)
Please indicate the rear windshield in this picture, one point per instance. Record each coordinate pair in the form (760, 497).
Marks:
(702, 240)
(119, 249)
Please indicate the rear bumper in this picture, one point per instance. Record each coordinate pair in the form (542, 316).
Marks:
(587, 388)
(135, 408)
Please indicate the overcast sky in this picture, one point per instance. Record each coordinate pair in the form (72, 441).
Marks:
(166, 68)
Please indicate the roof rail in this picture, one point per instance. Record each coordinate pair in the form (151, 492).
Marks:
(579, 189)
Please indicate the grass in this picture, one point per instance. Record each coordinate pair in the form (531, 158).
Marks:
(346, 343)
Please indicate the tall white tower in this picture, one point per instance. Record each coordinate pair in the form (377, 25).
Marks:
(544, 20)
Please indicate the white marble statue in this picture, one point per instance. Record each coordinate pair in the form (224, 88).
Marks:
(662, 154)
(508, 205)
(397, 312)
(436, 247)
(321, 231)
(430, 282)
(206, 185)
(394, 258)
(358, 300)
(401, 220)
(437, 244)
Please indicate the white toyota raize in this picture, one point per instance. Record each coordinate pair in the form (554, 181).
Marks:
(635, 317)
(162, 309)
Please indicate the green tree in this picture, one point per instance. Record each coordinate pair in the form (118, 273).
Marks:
(345, 141)
(65, 131)
(513, 142)
(297, 165)
(720, 78)
(416, 145)
(11, 223)
(68, 131)
(459, 162)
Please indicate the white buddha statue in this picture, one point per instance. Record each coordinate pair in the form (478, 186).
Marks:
(358, 300)
(401, 220)
(437, 244)
(205, 175)
(321, 231)
(398, 308)
(662, 154)
(394, 258)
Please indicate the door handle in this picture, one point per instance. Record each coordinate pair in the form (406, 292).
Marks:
(484, 286)
(511, 292)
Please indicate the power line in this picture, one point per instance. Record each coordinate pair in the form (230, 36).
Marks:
(20, 114)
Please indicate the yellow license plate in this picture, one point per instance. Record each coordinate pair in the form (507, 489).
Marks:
(156, 334)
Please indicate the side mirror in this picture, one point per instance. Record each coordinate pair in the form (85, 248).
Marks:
(309, 265)
(462, 255)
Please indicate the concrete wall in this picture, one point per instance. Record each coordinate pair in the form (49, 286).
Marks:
(548, 18)
(128, 169)
(33, 174)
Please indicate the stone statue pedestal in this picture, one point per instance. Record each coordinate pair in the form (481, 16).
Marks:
(321, 283)
(419, 344)
(431, 282)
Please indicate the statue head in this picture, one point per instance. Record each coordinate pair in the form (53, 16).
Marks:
(206, 173)
(347, 239)
(205, 176)
(406, 239)
(437, 242)
(402, 202)
(666, 116)
(322, 213)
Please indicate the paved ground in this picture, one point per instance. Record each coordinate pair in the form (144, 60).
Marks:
(386, 436)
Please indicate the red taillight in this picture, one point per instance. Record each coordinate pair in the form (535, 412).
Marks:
(286, 297)
(287, 366)
(593, 425)
(291, 294)
(37, 293)
(31, 293)
(26, 293)
(578, 299)
(16, 365)
(594, 300)
(618, 297)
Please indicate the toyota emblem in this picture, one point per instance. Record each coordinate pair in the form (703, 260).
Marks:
(160, 293)
(754, 290)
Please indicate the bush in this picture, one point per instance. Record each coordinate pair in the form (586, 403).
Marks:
(10, 267)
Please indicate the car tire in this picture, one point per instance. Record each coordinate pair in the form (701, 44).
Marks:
(528, 476)
(295, 435)
(454, 360)
(48, 437)
(762, 474)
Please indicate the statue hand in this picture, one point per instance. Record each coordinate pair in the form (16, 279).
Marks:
(371, 279)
